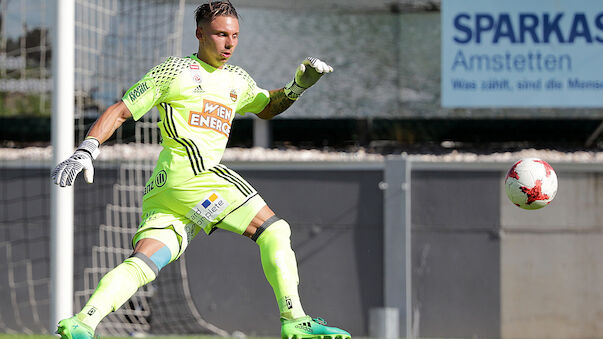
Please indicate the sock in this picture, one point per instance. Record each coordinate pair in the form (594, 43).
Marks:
(280, 268)
(114, 289)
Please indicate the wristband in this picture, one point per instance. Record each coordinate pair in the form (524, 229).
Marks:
(90, 145)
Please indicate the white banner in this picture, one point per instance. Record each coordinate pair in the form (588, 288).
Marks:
(522, 53)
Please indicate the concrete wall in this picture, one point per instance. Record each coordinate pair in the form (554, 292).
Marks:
(456, 253)
(481, 266)
(552, 263)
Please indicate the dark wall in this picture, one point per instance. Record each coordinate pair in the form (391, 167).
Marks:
(456, 253)
(336, 218)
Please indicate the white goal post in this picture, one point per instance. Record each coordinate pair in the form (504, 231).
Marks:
(62, 134)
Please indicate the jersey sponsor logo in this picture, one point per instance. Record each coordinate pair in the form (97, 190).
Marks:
(233, 95)
(207, 210)
(198, 89)
(214, 116)
(138, 91)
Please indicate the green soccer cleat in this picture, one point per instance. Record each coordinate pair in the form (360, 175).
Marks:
(308, 328)
(72, 328)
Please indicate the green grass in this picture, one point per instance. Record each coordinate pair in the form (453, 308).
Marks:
(26, 336)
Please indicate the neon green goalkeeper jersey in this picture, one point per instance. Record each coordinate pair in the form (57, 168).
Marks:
(196, 103)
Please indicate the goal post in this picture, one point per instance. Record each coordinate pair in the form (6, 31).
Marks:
(62, 134)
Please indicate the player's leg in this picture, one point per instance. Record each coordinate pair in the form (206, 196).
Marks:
(116, 287)
(272, 235)
(247, 213)
(154, 247)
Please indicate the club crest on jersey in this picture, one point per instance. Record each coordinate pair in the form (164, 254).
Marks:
(214, 116)
(233, 95)
(197, 77)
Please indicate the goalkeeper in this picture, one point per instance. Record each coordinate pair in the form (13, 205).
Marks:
(189, 189)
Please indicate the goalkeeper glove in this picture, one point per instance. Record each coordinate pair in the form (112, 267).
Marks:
(64, 174)
(306, 75)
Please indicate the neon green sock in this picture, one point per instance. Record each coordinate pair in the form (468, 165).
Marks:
(280, 268)
(114, 289)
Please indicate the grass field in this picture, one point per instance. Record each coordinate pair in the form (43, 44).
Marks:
(27, 336)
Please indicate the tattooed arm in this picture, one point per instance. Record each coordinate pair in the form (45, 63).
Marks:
(277, 105)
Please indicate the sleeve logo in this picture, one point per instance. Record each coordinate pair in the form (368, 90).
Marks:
(138, 91)
(214, 116)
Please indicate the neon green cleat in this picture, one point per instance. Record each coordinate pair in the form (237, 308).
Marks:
(308, 328)
(72, 328)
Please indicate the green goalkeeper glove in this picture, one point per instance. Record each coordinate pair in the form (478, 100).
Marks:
(306, 75)
(64, 174)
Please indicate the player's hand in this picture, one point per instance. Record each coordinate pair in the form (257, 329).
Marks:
(306, 75)
(310, 70)
(64, 174)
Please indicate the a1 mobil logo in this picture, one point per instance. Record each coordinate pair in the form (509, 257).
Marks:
(137, 91)
(214, 116)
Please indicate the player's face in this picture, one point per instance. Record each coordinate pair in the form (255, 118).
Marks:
(218, 40)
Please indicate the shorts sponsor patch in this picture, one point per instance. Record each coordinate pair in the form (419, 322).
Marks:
(207, 210)
(159, 180)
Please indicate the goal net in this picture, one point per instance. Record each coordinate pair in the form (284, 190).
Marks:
(117, 42)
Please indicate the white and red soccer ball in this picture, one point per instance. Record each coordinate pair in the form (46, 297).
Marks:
(531, 183)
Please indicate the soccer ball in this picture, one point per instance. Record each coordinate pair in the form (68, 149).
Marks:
(531, 183)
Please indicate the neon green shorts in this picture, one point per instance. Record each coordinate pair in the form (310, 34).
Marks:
(216, 198)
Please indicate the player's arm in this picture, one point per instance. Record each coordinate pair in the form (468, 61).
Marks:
(104, 127)
(306, 75)
(278, 103)
(136, 102)
(109, 122)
